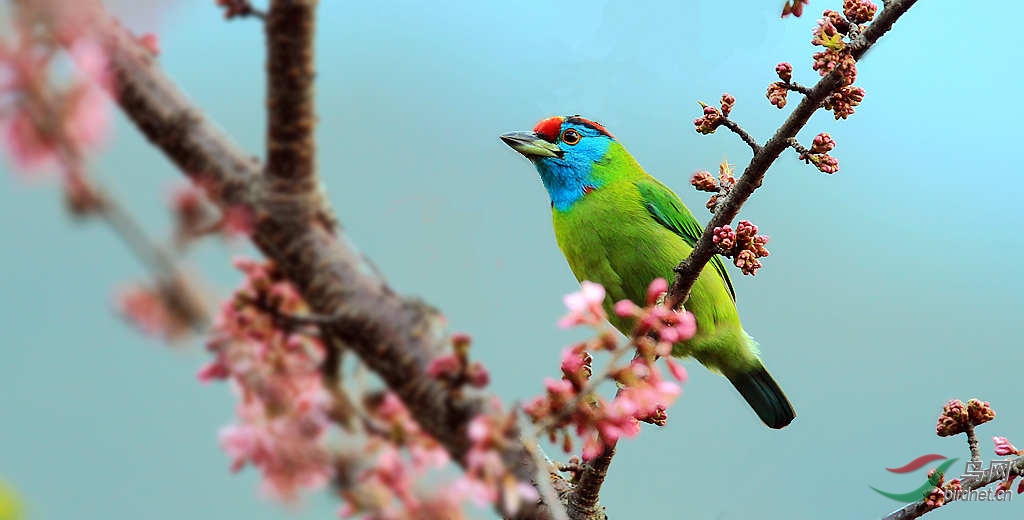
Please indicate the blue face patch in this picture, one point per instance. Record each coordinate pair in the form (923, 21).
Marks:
(569, 178)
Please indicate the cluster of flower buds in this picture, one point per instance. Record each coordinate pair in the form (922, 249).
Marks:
(818, 155)
(714, 117)
(286, 412)
(956, 417)
(859, 11)
(832, 33)
(380, 479)
(47, 127)
(455, 369)
(704, 181)
(743, 245)
(777, 91)
(935, 498)
(570, 403)
(832, 28)
(487, 480)
(283, 407)
(843, 101)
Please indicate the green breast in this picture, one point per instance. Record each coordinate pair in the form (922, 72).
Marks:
(609, 237)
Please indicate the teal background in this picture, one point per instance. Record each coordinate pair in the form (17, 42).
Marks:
(892, 285)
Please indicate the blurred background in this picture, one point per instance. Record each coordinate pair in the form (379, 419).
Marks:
(890, 289)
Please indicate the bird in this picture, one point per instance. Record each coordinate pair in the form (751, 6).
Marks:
(620, 227)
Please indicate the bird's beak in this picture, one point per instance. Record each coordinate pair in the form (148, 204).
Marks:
(531, 145)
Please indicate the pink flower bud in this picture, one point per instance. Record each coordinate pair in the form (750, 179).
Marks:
(657, 287)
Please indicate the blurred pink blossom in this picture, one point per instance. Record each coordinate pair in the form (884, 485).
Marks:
(584, 306)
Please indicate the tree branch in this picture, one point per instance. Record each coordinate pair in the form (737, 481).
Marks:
(972, 443)
(291, 148)
(689, 269)
(583, 501)
(394, 336)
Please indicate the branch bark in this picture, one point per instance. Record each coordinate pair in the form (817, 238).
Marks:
(689, 269)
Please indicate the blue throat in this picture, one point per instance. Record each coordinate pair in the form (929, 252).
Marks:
(570, 178)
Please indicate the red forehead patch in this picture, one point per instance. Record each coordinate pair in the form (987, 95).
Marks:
(548, 128)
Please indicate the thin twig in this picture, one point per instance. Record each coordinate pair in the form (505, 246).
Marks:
(800, 149)
(796, 87)
(688, 270)
(744, 135)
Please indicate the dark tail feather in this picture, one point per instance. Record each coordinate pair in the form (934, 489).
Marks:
(764, 396)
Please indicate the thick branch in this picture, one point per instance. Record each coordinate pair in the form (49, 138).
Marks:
(583, 500)
(393, 335)
(917, 509)
(753, 175)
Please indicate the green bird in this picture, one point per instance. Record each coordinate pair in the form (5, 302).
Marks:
(622, 228)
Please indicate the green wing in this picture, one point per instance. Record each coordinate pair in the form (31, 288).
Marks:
(666, 208)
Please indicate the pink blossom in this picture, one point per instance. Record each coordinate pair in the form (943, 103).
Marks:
(592, 447)
(656, 289)
(573, 360)
(514, 493)
(626, 309)
(1005, 447)
(677, 369)
(282, 413)
(92, 62)
(486, 478)
(28, 148)
(584, 306)
(559, 387)
(213, 371)
(476, 491)
(88, 121)
(479, 429)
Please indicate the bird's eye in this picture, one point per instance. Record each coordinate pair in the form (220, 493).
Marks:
(570, 136)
